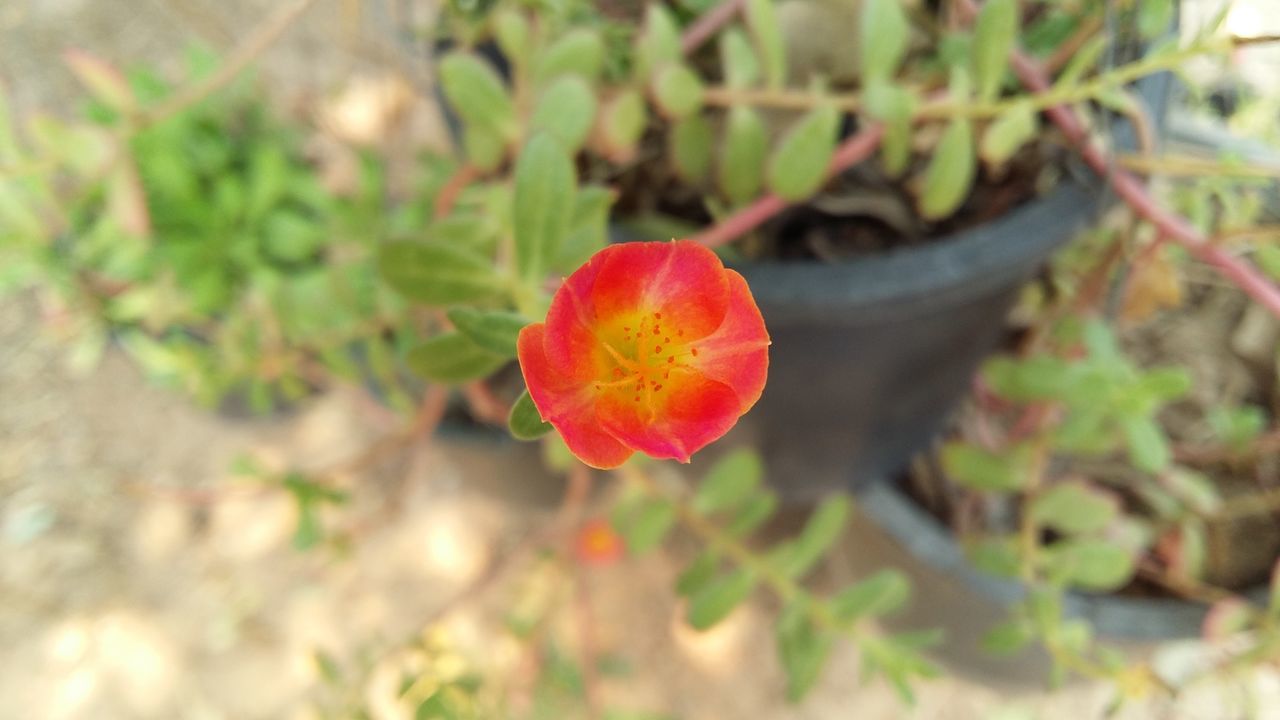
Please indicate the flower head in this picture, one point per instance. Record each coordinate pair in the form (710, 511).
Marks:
(649, 346)
(597, 543)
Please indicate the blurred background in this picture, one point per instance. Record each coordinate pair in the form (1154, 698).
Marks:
(147, 569)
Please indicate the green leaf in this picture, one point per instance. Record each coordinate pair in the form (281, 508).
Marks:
(677, 90)
(477, 94)
(819, 534)
(453, 358)
(885, 35)
(1036, 378)
(742, 157)
(1090, 564)
(524, 421)
(511, 30)
(1148, 448)
(544, 194)
(880, 594)
(659, 44)
(750, 516)
(741, 66)
(1008, 638)
(698, 574)
(463, 229)
(579, 51)
(588, 228)
(1083, 61)
(1237, 426)
(16, 212)
(623, 123)
(762, 21)
(802, 649)
(1154, 18)
(566, 110)
(1165, 384)
(691, 140)
(950, 173)
(104, 81)
(730, 482)
(995, 555)
(438, 274)
(493, 330)
(983, 470)
(798, 165)
(484, 147)
(994, 34)
(718, 598)
(645, 524)
(1074, 508)
(1010, 131)
(894, 106)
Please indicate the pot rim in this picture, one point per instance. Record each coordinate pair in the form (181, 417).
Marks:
(969, 263)
(1128, 618)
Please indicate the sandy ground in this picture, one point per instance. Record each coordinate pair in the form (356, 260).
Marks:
(140, 579)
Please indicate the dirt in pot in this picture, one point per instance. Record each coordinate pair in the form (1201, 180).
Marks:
(861, 213)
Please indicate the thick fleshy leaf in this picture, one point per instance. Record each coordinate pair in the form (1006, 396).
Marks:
(798, 165)
(544, 188)
(453, 358)
(568, 405)
(566, 111)
(678, 91)
(659, 43)
(742, 157)
(762, 19)
(622, 123)
(524, 422)
(885, 34)
(579, 51)
(475, 91)
(691, 141)
(994, 35)
(951, 172)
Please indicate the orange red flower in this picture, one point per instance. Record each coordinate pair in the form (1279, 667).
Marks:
(650, 346)
(597, 543)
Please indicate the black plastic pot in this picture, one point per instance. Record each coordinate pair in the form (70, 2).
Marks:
(870, 357)
(950, 592)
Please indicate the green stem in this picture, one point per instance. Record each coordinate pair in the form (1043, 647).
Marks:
(948, 108)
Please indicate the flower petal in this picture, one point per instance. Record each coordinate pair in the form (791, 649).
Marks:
(691, 412)
(737, 353)
(571, 343)
(682, 280)
(567, 404)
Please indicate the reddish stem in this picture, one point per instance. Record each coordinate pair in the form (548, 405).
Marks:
(1135, 194)
(708, 24)
(851, 152)
(453, 187)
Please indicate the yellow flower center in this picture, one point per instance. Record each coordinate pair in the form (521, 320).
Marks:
(643, 355)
